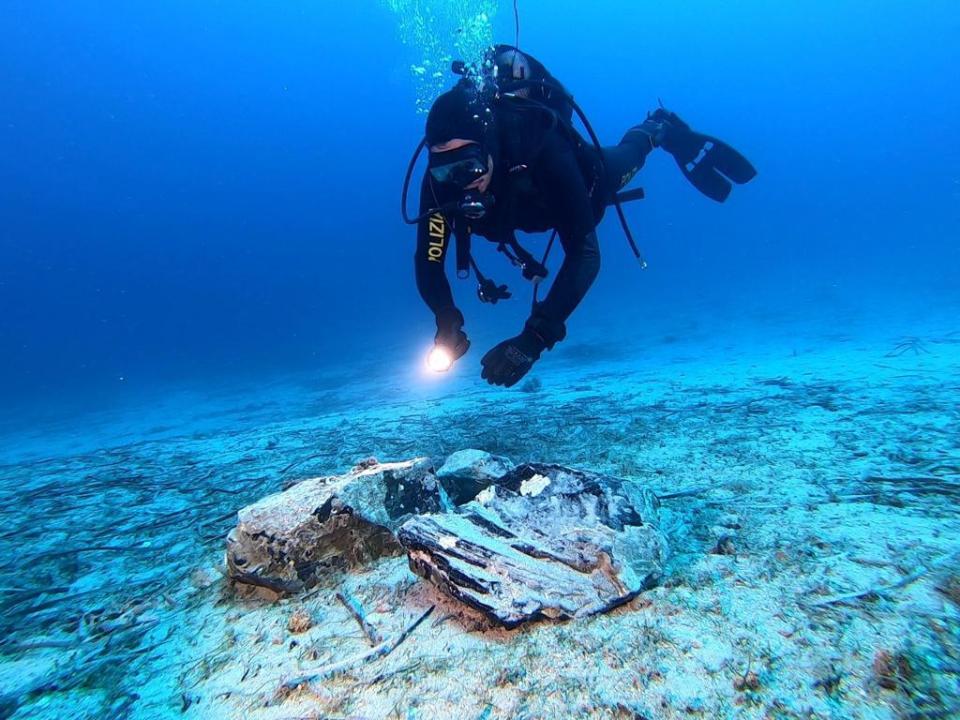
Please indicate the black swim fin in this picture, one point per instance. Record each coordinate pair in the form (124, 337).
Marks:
(708, 163)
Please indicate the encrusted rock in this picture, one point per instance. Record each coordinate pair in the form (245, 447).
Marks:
(724, 546)
(544, 541)
(299, 622)
(467, 472)
(748, 682)
(288, 541)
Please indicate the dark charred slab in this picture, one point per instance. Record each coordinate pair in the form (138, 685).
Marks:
(617, 502)
(544, 542)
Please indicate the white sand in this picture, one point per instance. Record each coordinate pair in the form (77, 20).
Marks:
(786, 444)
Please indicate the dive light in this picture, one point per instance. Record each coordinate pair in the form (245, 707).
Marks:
(439, 359)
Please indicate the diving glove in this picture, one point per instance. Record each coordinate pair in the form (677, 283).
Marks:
(708, 163)
(450, 335)
(509, 361)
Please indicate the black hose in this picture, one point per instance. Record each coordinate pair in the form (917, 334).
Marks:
(406, 186)
(546, 254)
(516, 23)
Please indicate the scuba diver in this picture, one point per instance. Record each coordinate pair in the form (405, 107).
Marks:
(504, 156)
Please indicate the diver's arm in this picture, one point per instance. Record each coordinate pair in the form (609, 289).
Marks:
(560, 178)
(557, 176)
(433, 241)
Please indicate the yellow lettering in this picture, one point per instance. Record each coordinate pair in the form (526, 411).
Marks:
(438, 231)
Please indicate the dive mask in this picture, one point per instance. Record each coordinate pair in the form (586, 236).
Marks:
(458, 167)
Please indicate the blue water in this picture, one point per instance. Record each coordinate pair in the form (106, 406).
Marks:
(200, 233)
(193, 191)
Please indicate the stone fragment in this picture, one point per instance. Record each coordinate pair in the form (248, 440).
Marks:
(544, 541)
(299, 622)
(467, 472)
(289, 541)
(891, 670)
(748, 682)
(724, 546)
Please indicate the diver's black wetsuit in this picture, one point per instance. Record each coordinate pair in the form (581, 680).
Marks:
(545, 177)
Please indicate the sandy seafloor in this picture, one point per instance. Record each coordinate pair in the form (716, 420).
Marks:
(832, 460)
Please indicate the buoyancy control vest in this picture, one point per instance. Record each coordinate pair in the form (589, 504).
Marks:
(518, 85)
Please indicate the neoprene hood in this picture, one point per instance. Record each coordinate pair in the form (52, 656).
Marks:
(459, 113)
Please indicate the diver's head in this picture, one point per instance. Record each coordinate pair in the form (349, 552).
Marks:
(461, 112)
(462, 140)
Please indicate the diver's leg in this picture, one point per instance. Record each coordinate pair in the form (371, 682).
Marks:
(622, 162)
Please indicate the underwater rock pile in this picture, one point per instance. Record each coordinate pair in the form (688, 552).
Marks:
(543, 541)
(289, 541)
(514, 543)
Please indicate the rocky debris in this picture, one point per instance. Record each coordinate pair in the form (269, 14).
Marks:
(538, 541)
(891, 670)
(724, 546)
(949, 586)
(299, 622)
(286, 542)
(468, 472)
(748, 682)
(544, 541)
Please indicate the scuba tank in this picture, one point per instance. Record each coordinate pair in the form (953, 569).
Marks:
(508, 65)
